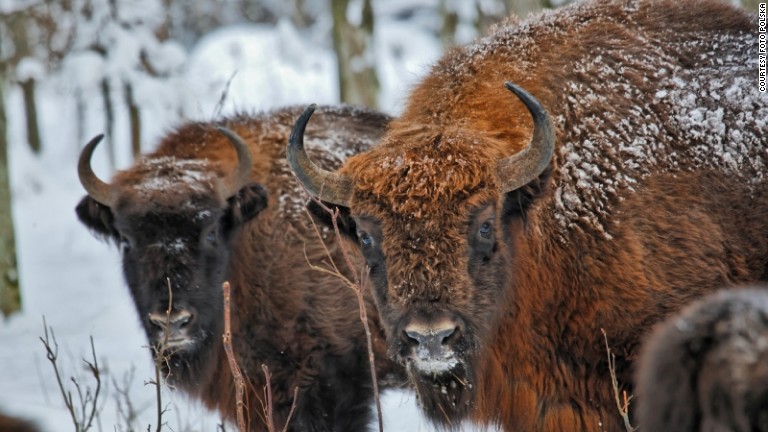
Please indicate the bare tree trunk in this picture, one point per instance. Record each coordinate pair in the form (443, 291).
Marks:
(450, 24)
(523, 8)
(30, 111)
(109, 114)
(751, 5)
(10, 294)
(135, 121)
(358, 83)
(17, 26)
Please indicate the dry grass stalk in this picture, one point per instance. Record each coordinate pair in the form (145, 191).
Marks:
(161, 356)
(356, 286)
(88, 402)
(268, 407)
(236, 373)
(623, 406)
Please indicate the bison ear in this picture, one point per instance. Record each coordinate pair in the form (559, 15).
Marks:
(97, 217)
(248, 202)
(518, 201)
(321, 216)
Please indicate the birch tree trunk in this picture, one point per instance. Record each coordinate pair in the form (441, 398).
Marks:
(358, 83)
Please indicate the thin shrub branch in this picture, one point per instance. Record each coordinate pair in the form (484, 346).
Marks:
(233, 366)
(623, 406)
(356, 286)
(87, 399)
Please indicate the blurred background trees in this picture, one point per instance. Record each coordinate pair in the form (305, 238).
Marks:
(127, 61)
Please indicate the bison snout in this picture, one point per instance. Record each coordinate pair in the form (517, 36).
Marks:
(431, 341)
(433, 344)
(172, 328)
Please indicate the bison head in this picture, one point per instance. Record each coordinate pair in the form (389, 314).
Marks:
(175, 221)
(432, 209)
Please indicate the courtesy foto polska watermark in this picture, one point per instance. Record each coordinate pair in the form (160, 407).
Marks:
(762, 42)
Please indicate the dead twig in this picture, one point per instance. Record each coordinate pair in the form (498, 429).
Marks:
(88, 400)
(293, 408)
(162, 356)
(224, 94)
(268, 405)
(622, 406)
(268, 409)
(356, 286)
(236, 373)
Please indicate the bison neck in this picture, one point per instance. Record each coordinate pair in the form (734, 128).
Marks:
(265, 331)
(546, 367)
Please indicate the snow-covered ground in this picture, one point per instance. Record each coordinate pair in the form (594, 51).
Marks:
(74, 281)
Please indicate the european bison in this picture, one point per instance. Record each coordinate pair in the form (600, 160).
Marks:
(195, 213)
(706, 369)
(503, 232)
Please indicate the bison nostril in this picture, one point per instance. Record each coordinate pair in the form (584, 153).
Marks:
(158, 320)
(446, 335)
(414, 337)
(181, 319)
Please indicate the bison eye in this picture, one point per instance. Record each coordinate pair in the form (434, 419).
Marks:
(211, 236)
(125, 245)
(486, 229)
(366, 240)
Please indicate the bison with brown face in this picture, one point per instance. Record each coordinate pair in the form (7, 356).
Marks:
(706, 368)
(503, 232)
(195, 213)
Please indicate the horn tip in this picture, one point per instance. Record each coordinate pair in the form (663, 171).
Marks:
(516, 89)
(310, 109)
(95, 140)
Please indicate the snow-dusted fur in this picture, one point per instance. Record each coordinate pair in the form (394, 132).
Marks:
(706, 368)
(177, 231)
(656, 194)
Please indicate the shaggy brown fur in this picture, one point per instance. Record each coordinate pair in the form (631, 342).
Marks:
(706, 368)
(175, 228)
(656, 194)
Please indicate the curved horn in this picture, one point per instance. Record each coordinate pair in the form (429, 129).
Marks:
(517, 170)
(231, 184)
(98, 190)
(325, 185)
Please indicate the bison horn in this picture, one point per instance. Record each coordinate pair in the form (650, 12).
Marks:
(98, 190)
(235, 181)
(325, 185)
(517, 170)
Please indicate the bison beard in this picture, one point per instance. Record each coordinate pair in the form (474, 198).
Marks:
(195, 213)
(655, 194)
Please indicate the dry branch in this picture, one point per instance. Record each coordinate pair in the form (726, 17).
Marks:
(356, 286)
(236, 373)
(88, 401)
(622, 406)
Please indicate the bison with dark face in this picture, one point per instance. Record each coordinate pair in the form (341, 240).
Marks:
(706, 368)
(503, 232)
(196, 213)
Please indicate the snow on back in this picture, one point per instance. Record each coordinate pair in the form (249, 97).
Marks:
(715, 121)
(645, 102)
